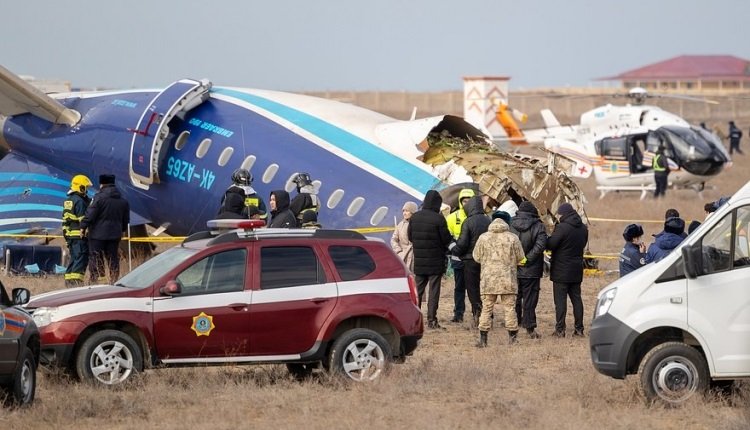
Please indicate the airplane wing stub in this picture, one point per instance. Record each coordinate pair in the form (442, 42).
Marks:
(18, 97)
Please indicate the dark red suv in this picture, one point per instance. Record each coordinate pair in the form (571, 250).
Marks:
(300, 297)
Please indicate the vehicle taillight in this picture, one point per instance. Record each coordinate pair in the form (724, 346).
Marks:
(413, 290)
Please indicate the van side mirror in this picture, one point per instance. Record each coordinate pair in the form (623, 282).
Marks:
(172, 288)
(693, 263)
(21, 296)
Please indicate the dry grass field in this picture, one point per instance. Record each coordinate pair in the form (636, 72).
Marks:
(547, 383)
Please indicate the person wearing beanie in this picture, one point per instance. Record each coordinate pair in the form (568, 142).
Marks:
(505, 216)
(693, 225)
(429, 236)
(400, 240)
(633, 254)
(106, 220)
(455, 220)
(666, 241)
(567, 244)
(475, 224)
(533, 236)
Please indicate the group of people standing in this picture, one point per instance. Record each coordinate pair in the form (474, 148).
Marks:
(635, 254)
(92, 229)
(241, 201)
(497, 257)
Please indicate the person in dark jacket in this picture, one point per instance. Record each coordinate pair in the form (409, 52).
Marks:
(306, 199)
(530, 230)
(474, 225)
(666, 241)
(282, 216)
(633, 254)
(567, 244)
(661, 171)
(735, 136)
(106, 219)
(240, 198)
(429, 236)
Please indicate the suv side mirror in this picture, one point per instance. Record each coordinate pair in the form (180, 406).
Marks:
(172, 288)
(693, 263)
(21, 296)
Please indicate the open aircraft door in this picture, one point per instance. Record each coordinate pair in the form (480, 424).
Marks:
(146, 149)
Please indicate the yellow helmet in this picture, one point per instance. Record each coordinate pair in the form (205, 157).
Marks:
(79, 183)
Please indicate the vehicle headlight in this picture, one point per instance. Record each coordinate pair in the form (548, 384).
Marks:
(605, 302)
(44, 316)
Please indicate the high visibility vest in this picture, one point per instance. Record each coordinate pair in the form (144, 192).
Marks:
(656, 166)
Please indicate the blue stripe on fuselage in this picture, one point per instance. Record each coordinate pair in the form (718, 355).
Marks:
(375, 156)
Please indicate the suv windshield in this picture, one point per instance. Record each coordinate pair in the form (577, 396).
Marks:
(148, 272)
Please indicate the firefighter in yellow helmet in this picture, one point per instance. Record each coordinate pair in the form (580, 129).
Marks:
(74, 209)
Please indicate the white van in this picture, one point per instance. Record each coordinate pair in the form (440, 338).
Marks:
(684, 321)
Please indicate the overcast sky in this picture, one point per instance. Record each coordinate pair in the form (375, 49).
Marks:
(411, 45)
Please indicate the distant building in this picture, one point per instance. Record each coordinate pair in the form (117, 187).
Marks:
(690, 72)
(48, 86)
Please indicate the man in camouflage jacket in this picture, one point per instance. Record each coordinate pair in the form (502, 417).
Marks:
(499, 252)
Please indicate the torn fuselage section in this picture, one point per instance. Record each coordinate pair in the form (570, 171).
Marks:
(502, 176)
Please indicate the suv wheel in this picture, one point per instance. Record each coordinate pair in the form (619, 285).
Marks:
(360, 354)
(108, 357)
(23, 385)
(672, 372)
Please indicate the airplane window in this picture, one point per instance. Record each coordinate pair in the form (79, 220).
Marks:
(181, 140)
(290, 186)
(226, 154)
(355, 206)
(335, 198)
(378, 215)
(270, 173)
(248, 163)
(316, 184)
(203, 148)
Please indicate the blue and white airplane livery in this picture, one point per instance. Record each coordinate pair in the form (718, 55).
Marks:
(173, 152)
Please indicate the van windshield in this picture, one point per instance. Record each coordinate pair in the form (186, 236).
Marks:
(147, 273)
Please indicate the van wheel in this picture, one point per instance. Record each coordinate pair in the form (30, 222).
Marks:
(23, 385)
(108, 357)
(672, 372)
(360, 354)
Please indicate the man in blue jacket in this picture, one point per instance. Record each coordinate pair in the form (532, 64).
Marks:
(666, 241)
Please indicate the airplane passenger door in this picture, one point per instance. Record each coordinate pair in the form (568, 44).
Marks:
(146, 150)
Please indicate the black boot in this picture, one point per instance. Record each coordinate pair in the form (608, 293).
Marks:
(482, 340)
(475, 319)
(512, 337)
(533, 334)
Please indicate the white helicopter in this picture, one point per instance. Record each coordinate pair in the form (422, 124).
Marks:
(617, 145)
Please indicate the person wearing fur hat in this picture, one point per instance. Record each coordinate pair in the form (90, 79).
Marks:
(567, 244)
(400, 239)
(633, 254)
(530, 230)
(106, 220)
(666, 241)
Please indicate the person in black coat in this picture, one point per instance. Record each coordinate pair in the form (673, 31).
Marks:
(530, 230)
(567, 243)
(282, 216)
(106, 220)
(429, 235)
(474, 225)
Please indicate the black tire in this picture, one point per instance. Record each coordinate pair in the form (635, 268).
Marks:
(673, 372)
(22, 387)
(108, 357)
(301, 371)
(360, 354)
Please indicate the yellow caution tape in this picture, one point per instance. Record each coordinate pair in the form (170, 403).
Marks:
(625, 221)
(372, 229)
(156, 239)
(25, 236)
